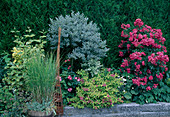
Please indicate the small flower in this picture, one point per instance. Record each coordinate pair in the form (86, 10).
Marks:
(59, 78)
(81, 98)
(75, 78)
(69, 77)
(112, 75)
(150, 77)
(155, 85)
(78, 79)
(148, 88)
(65, 61)
(69, 67)
(104, 85)
(128, 70)
(143, 63)
(69, 89)
(108, 69)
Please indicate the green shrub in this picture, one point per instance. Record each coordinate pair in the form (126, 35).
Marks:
(107, 14)
(102, 90)
(16, 69)
(69, 81)
(79, 39)
(144, 56)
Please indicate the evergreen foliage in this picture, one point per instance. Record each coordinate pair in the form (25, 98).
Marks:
(78, 36)
(107, 14)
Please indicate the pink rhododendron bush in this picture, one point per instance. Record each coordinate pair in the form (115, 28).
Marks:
(144, 60)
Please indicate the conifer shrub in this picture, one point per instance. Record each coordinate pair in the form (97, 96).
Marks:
(80, 39)
(144, 59)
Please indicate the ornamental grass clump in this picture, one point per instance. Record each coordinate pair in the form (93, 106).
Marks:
(144, 59)
(102, 90)
(41, 80)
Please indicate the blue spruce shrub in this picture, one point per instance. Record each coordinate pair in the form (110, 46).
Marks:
(80, 40)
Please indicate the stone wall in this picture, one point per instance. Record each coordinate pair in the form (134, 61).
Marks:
(160, 109)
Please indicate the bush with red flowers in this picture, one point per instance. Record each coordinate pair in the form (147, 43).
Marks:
(144, 59)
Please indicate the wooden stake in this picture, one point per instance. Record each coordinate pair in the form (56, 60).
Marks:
(58, 94)
(58, 54)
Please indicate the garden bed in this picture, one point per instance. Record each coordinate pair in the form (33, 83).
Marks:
(160, 109)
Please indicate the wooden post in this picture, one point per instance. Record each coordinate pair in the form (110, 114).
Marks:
(58, 53)
(58, 94)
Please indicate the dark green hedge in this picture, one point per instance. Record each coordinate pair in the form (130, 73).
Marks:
(108, 14)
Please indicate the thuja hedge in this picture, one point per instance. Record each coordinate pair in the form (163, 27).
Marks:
(107, 14)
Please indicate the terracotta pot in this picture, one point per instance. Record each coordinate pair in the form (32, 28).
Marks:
(39, 114)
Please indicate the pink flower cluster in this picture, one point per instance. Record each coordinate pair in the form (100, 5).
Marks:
(150, 42)
(136, 55)
(69, 77)
(138, 22)
(160, 76)
(160, 57)
(69, 89)
(123, 26)
(85, 89)
(125, 63)
(138, 81)
(67, 60)
(121, 53)
(77, 78)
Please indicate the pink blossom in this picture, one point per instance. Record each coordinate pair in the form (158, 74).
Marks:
(148, 71)
(140, 72)
(138, 22)
(130, 38)
(128, 70)
(112, 75)
(81, 98)
(121, 53)
(69, 89)
(104, 85)
(78, 79)
(59, 78)
(148, 88)
(128, 46)
(69, 77)
(140, 36)
(108, 69)
(143, 63)
(155, 85)
(135, 31)
(166, 69)
(150, 77)
(65, 61)
(125, 63)
(69, 67)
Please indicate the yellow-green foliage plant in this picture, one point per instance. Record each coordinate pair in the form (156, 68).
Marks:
(102, 90)
(16, 68)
